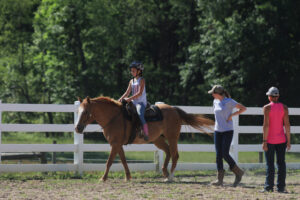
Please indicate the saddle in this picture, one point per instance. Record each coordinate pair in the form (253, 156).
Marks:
(152, 114)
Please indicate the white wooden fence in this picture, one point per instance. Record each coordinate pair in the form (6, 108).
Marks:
(78, 148)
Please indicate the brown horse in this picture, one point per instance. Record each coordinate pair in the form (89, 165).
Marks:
(116, 129)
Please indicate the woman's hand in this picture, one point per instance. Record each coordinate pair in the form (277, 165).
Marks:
(288, 146)
(265, 146)
(230, 118)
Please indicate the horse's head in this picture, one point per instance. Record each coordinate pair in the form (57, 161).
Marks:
(84, 115)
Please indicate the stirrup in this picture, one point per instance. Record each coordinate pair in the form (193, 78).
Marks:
(146, 138)
(141, 133)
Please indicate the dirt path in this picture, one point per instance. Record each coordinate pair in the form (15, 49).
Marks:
(184, 187)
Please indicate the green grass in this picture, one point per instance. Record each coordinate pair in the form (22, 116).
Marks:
(253, 157)
(73, 175)
(120, 174)
(133, 157)
(40, 138)
(34, 138)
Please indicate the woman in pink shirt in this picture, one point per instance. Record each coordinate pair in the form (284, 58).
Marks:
(275, 140)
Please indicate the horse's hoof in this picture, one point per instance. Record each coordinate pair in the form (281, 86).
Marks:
(127, 179)
(103, 179)
(168, 180)
(165, 173)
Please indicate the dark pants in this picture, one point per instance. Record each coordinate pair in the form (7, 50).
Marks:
(222, 145)
(279, 149)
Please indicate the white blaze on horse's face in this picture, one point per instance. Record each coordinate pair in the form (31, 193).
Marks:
(82, 117)
(80, 111)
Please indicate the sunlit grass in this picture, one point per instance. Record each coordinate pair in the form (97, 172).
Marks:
(118, 174)
(34, 138)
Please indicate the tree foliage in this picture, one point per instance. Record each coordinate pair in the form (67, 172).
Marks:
(55, 50)
(247, 46)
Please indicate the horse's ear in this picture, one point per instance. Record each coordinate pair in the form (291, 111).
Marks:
(79, 99)
(88, 99)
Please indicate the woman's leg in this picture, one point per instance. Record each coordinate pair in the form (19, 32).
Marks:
(227, 139)
(218, 139)
(269, 184)
(219, 159)
(280, 157)
(232, 165)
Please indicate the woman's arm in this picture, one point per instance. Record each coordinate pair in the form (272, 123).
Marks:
(126, 94)
(240, 108)
(266, 127)
(287, 126)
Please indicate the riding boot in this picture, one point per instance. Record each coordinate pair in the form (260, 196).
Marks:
(238, 175)
(220, 177)
(145, 128)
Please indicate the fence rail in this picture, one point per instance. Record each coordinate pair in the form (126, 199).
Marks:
(78, 148)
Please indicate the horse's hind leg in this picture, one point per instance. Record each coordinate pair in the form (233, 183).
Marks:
(114, 150)
(123, 159)
(161, 144)
(175, 156)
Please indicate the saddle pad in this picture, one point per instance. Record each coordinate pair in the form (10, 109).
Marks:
(153, 114)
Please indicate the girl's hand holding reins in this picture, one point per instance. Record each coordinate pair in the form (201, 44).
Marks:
(127, 99)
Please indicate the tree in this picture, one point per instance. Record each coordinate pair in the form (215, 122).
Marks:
(247, 47)
(15, 39)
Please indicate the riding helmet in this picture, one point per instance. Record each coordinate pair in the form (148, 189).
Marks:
(137, 65)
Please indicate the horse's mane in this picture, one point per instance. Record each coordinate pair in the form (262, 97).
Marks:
(107, 100)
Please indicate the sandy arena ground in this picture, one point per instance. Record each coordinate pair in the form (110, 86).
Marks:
(184, 187)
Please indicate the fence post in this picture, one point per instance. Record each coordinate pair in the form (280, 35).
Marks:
(0, 128)
(78, 141)
(260, 157)
(156, 161)
(235, 141)
(54, 154)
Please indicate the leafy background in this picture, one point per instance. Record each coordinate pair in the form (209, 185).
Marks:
(52, 51)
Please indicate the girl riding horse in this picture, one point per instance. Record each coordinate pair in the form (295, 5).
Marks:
(138, 89)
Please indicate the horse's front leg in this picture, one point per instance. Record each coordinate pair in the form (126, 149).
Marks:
(124, 162)
(114, 150)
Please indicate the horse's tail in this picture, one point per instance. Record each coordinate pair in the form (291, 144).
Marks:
(197, 121)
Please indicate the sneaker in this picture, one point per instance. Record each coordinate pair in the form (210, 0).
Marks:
(282, 191)
(265, 190)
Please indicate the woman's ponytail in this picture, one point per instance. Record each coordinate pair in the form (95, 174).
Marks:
(226, 93)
